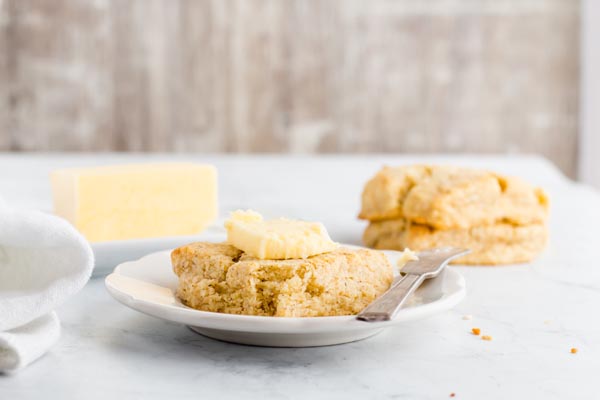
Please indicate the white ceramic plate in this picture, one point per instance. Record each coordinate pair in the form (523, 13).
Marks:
(148, 285)
(110, 254)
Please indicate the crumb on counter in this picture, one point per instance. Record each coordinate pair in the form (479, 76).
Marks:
(486, 337)
(467, 317)
(476, 331)
(452, 394)
(573, 350)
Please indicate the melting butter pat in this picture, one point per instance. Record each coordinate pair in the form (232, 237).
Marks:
(277, 239)
(406, 256)
(136, 201)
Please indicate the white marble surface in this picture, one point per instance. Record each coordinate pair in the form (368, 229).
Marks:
(535, 313)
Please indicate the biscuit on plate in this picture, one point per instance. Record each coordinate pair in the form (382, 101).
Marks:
(218, 277)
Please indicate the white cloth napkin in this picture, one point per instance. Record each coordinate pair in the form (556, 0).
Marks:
(43, 261)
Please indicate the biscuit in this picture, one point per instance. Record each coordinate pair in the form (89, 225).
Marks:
(445, 197)
(218, 277)
(500, 243)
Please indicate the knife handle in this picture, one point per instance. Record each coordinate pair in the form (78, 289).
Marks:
(388, 304)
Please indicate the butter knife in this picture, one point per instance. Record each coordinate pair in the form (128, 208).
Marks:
(429, 265)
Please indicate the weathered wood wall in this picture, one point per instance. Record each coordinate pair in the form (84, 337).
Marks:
(292, 76)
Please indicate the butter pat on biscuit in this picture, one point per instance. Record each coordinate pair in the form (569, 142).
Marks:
(277, 239)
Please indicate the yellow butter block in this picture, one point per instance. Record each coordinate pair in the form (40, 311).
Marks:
(277, 239)
(136, 201)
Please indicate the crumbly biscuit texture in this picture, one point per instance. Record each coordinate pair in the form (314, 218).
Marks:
(445, 197)
(501, 243)
(221, 278)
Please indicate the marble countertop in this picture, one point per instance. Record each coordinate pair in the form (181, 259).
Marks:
(536, 313)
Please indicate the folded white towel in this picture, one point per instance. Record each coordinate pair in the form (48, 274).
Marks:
(43, 261)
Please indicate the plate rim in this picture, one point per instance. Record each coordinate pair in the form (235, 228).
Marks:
(253, 323)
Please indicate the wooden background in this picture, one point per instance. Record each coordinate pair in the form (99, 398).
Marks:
(291, 76)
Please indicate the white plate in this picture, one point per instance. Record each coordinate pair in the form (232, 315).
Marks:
(148, 285)
(107, 255)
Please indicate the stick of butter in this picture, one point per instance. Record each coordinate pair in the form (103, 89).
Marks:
(277, 239)
(136, 201)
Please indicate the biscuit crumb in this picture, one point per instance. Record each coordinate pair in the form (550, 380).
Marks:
(467, 317)
(452, 394)
(476, 331)
(486, 337)
(573, 350)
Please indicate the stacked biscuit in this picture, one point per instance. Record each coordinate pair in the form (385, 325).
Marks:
(501, 219)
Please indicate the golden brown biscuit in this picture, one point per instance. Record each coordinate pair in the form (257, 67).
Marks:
(447, 197)
(521, 203)
(221, 278)
(383, 195)
(500, 243)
